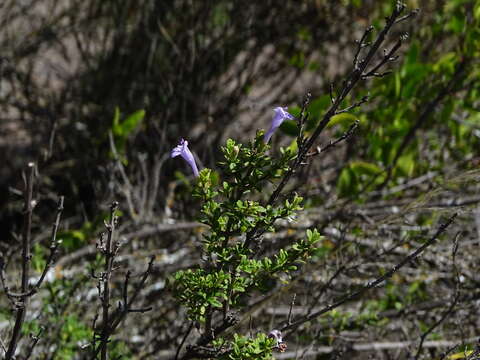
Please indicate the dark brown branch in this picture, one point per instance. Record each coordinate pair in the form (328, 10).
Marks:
(106, 276)
(195, 350)
(332, 97)
(302, 119)
(183, 340)
(374, 283)
(361, 44)
(120, 314)
(333, 143)
(412, 13)
(388, 57)
(26, 259)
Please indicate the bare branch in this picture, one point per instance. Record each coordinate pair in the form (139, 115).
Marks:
(116, 318)
(361, 45)
(387, 57)
(412, 13)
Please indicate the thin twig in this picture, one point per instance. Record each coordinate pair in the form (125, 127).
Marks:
(333, 143)
(127, 191)
(387, 57)
(454, 302)
(183, 340)
(3, 346)
(412, 13)
(36, 339)
(362, 101)
(361, 45)
(289, 317)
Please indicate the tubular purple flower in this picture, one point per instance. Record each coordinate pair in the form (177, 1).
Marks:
(183, 150)
(280, 345)
(278, 118)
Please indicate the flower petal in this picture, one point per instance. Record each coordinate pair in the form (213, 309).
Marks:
(278, 118)
(183, 150)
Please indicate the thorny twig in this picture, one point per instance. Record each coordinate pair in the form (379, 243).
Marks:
(412, 13)
(302, 119)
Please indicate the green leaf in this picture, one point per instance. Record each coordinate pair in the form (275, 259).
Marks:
(406, 164)
(342, 119)
(363, 167)
(116, 117)
(476, 11)
(457, 24)
(214, 302)
(127, 126)
(345, 181)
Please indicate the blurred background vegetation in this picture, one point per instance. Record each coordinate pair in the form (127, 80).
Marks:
(98, 92)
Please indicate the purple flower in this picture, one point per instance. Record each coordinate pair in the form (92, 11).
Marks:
(280, 345)
(276, 335)
(280, 115)
(183, 150)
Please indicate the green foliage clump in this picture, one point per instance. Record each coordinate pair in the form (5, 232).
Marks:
(236, 224)
(243, 348)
